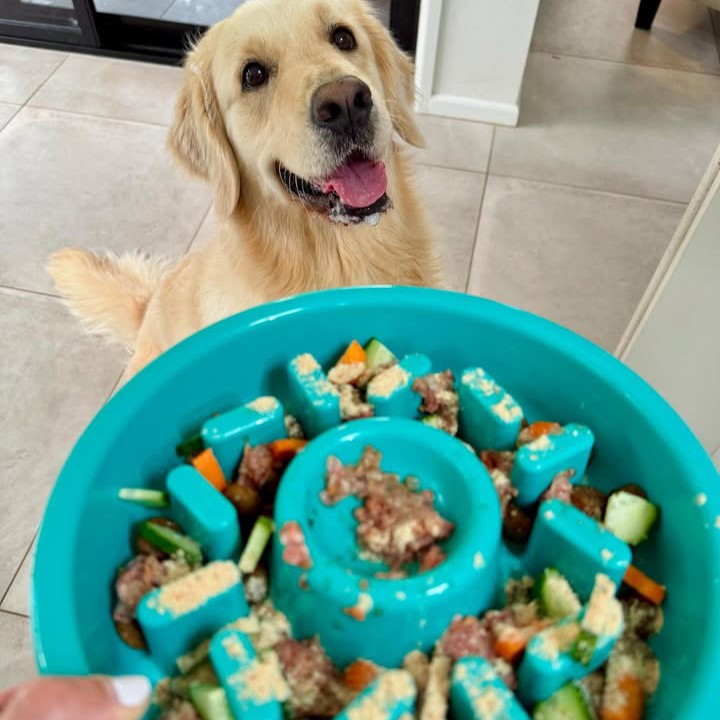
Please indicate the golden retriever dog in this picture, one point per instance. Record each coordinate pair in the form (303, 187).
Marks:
(295, 112)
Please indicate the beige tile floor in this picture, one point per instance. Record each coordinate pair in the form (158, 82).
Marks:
(566, 215)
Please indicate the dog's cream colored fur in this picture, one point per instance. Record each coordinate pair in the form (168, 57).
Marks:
(269, 245)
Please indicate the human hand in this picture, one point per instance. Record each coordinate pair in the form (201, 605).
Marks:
(74, 698)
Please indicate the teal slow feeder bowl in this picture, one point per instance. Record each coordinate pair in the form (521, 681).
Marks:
(339, 597)
(552, 373)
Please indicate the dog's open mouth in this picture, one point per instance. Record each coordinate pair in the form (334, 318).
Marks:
(354, 192)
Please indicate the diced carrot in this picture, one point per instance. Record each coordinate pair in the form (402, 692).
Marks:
(354, 353)
(540, 428)
(511, 644)
(628, 701)
(207, 465)
(643, 585)
(512, 641)
(359, 674)
(287, 448)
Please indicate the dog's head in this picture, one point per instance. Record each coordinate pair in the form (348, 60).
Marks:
(297, 101)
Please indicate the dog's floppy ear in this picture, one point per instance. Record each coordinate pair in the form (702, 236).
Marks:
(398, 78)
(198, 138)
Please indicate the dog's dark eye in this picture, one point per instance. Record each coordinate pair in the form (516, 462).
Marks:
(254, 75)
(343, 39)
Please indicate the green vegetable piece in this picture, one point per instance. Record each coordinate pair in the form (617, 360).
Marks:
(143, 496)
(211, 702)
(203, 673)
(433, 421)
(191, 447)
(630, 517)
(557, 598)
(171, 542)
(377, 354)
(584, 647)
(567, 703)
(258, 540)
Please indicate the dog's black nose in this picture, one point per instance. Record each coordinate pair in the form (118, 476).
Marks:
(342, 106)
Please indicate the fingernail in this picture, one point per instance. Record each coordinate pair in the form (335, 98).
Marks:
(132, 690)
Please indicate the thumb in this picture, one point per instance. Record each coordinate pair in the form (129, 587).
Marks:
(70, 698)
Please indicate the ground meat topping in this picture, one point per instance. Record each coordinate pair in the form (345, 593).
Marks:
(352, 405)
(642, 618)
(519, 590)
(506, 491)
(432, 557)
(560, 488)
(141, 575)
(467, 636)
(593, 686)
(295, 551)
(341, 481)
(439, 399)
(316, 684)
(501, 460)
(396, 523)
(257, 467)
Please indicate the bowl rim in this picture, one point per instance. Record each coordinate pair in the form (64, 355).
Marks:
(56, 645)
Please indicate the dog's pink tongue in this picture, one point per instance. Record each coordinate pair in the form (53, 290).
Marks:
(359, 183)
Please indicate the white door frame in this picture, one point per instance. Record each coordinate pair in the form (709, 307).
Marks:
(673, 339)
(501, 30)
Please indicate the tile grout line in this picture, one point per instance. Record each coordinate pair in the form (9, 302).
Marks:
(16, 573)
(587, 188)
(452, 167)
(18, 108)
(537, 51)
(47, 80)
(14, 614)
(480, 211)
(30, 292)
(93, 116)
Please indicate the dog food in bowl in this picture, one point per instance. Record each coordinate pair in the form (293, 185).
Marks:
(409, 545)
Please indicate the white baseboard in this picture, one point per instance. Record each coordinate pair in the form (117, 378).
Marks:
(471, 109)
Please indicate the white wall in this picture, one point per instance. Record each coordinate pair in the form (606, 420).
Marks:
(674, 339)
(471, 57)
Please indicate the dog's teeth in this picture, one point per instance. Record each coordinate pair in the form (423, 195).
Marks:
(373, 219)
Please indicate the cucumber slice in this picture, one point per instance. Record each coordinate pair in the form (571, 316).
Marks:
(557, 598)
(171, 541)
(567, 703)
(377, 354)
(143, 496)
(584, 647)
(433, 421)
(211, 702)
(630, 517)
(202, 673)
(261, 532)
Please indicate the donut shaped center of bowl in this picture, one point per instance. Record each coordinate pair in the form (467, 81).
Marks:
(462, 491)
